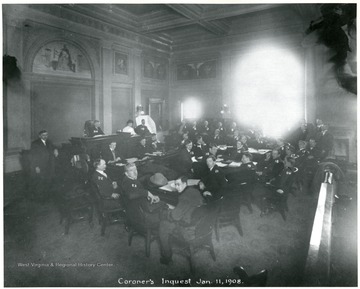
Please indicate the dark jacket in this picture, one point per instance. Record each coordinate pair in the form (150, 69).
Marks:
(214, 182)
(42, 156)
(183, 161)
(107, 155)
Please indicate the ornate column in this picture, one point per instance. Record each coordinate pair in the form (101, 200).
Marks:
(137, 78)
(105, 110)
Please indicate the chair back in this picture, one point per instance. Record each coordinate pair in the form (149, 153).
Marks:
(89, 124)
(203, 218)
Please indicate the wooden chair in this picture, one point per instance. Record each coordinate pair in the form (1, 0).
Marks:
(229, 214)
(74, 200)
(76, 206)
(106, 215)
(201, 238)
(257, 280)
(275, 202)
(138, 223)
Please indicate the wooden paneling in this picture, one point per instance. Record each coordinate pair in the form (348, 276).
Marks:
(122, 109)
(62, 109)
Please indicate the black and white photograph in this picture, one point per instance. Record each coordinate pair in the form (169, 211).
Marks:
(171, 144)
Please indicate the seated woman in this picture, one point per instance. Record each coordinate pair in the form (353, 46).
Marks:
(129, 128)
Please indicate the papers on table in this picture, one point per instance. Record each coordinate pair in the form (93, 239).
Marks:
(259, 151)
(234, 164)
(221, 165)
(193, 182)
(170, 187)
(120, 164)
(194, 160)
(263, 151)
(132, 160)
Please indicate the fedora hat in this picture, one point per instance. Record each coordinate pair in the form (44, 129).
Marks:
(158, 179)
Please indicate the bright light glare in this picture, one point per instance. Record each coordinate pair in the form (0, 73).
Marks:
(192, 109)
(268, 90)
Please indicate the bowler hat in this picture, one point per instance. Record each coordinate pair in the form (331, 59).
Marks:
(158, 179)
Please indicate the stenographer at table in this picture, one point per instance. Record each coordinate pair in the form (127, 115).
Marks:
(212, 184)
(111, 155)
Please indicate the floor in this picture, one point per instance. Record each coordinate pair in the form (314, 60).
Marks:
(38, 253)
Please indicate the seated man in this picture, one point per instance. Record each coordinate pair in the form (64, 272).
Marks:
(129, 128)
(217, 138)
(108, 189)
(179, 217)
(111, 154)
(142, 129)
(280, 187)
(200, 148)
(184, 161)
(213, 183)
(200, 169)
(142, 150)
(136, 196)
(272, 166)
(96, 129)
(245, 173)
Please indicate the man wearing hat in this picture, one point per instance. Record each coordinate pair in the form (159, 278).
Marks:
(179, 218)
(155, 182)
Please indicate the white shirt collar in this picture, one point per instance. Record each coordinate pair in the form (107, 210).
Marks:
(102, 173)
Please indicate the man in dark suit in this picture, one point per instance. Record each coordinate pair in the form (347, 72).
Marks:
(108, 189)
(111, 154)
(42, 164)
(184, 159)
(213, 183)
(137, 198)
(142, 129)
(142, 150)
(96, 129)
(200, 148)
(179, 217)
(326, 141)
(245, 173)
(217, 138)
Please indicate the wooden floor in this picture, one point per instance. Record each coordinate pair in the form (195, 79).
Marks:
(33, 235)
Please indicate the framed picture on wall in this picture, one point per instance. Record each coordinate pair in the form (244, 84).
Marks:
(121, 63)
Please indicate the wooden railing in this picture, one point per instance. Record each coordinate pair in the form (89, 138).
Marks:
(317, 268)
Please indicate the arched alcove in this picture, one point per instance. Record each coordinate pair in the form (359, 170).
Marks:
(61, 88)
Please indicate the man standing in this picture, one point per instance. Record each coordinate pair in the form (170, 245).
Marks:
(42, 164)
(179, 217)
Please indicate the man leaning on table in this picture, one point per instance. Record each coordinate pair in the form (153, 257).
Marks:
(179, 218)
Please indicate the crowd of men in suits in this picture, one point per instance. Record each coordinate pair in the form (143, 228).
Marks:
(199, 147)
